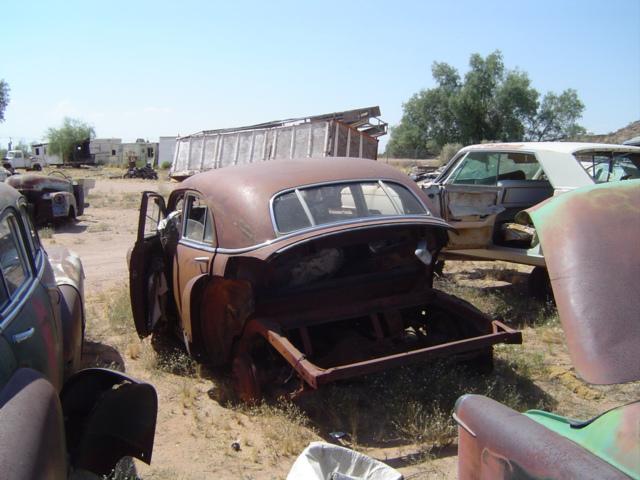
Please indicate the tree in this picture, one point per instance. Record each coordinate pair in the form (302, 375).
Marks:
(63, 140)
(557, 117)
(491, 103)
(4, 98)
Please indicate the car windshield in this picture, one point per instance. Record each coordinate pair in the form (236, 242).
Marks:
(610, 166)
(324, 204)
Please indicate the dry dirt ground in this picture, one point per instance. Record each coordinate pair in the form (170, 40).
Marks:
(401, 417)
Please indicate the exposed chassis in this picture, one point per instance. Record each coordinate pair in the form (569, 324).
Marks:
(274, 332)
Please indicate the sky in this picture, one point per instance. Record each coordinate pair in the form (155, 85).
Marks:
(144, 69)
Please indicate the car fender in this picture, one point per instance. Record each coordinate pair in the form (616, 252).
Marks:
(32, 442)
(67, 268)
(108, 415)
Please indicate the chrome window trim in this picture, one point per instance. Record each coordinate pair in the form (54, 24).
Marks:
(382, 181)
(187, 242)
(25, 291)
(184, 240)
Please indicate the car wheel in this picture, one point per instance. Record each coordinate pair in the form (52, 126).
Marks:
(245, 378)
(37, 167)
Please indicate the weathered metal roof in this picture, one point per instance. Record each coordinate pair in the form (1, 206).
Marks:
(240, 196)
(359, 118)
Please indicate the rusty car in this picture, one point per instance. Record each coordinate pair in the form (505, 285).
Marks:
(483, 188)
(54, 197)
(53, 416)
(300, 273)
(590, 237)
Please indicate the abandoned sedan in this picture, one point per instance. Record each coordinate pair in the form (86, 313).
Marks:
(317, 267)
(53, 197)
(482, 189)
(51, 416)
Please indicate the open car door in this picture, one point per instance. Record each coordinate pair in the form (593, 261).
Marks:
(469, 200)
(144, 273)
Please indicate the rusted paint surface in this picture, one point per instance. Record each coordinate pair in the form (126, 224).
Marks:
(240, 196)
(614, 436)
(495, 442)
(481, 334)
(589, 238)
(316, 305)
(39, 183)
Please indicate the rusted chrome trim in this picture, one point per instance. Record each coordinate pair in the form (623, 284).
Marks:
(463, 425)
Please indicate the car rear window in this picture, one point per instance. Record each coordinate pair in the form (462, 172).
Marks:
(610, 166)
(306, 207)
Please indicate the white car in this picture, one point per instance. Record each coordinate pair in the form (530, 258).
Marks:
(484, 187)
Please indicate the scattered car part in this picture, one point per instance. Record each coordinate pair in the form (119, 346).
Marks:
(52, 197)
(589, 237)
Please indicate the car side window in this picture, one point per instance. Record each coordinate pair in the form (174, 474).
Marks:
(518, 166)
(14, 266)
(477, 168)
(198, 221)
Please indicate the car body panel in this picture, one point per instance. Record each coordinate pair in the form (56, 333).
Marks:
(32, 441)
(496, 442)
(108, 415)
(589, 236)
(593, 279)
(612, 436)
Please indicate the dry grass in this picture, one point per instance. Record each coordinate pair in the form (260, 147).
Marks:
(287, 430)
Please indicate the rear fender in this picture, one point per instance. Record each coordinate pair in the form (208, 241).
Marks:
(108, 415)
(31, 428)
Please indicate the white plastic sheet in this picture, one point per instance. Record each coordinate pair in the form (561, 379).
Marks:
(324, 461)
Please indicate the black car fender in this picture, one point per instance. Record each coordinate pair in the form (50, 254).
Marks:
(108, 415)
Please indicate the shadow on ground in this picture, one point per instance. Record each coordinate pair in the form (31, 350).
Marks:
(97, 354)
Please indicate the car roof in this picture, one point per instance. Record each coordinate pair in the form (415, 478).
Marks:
(8, 196)
(240, 196)
(557, 158)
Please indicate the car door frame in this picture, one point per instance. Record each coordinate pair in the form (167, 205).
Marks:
(140, 263)
(470, 232)
(190, 253)
(28, 321)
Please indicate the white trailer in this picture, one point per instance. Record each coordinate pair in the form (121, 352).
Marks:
(352, 133)
(42, 155)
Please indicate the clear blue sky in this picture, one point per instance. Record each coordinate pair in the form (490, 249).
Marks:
(149, 68)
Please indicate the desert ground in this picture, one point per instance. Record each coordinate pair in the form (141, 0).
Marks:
(402, 417)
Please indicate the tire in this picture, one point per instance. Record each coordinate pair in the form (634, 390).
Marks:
(37, 167)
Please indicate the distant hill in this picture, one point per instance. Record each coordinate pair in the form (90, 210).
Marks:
(619, 136)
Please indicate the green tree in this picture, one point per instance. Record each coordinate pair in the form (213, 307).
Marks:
(490, 103)
(4, 98)
(63, 140)
(557, 117)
